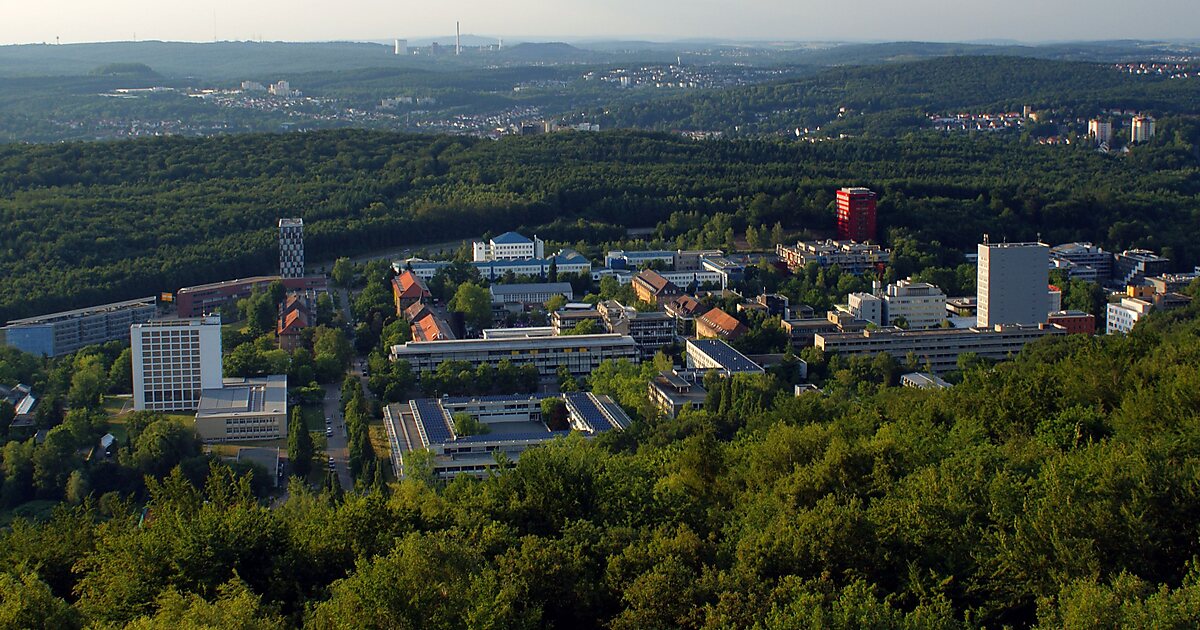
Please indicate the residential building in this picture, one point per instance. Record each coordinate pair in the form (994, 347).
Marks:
(173, 361)
(1133, 266)
(1011, 281)
(937, 348)
(652, 331)
(508, 246)
(571, 315)
(672, 392)
(244, 409)
(291, 248)
(408, 289)
(579, 353)
(207, 299)
(1074, 322)
(1101, 131)
(652, 288)
(1086, 261)
(856, 214)
(851, 257)
(685, 309)
(714, 354)
(515, 424)
(1141, 129)
(295, 314)
(523, 295)
(62, 333)
(21, 397)
(923, 380)
(717, 324)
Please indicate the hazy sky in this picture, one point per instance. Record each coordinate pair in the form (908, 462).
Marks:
(23, 21)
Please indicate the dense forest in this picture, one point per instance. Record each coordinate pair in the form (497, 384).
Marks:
(85, 224)
(1057, 490)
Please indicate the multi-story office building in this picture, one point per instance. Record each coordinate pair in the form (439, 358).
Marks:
(62, 333)
(579, 353)
(508, 246)
(920, 304)
(515, 422)
(856, 214)
(1086, 261)
(572, 315)
(1101, 131)
(291, 248)
(938, 348)
(1011, 283)
(652, 331)
(206, 299)
(1133, 266)
(174, 361)
(672, 392)
(244, 409)
(868, 307)
(1122, 316)
(652, 287)
(855, 258)
(1141, 129)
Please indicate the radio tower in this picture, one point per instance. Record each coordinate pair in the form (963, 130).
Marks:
(457, 38)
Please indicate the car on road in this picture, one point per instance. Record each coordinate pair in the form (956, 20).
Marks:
(332, 463)
(328, 432)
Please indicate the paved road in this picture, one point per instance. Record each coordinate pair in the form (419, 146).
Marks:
(337, 444)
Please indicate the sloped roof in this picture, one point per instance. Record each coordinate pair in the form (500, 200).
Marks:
(686, 305)
(722, 322)
(510, 238)
(408, 285)
(655, 281)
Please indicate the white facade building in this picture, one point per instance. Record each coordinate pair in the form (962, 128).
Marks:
(291, 248)
(1101, 130)
(867, 307)
(1141, 129)
(174, 361)
(508, 246)
(1011, 283)
(922, 305)
(1123, 316)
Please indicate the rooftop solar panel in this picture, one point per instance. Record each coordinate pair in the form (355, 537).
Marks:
(433, 420)
(591, 413)
(724, 354)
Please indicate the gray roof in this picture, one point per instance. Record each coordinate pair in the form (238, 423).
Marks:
(245, 396)
(563, 288)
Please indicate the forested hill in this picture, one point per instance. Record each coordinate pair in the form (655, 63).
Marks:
(893, 98)
(89, 223)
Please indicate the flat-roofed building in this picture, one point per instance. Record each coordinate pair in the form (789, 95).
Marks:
(920, 304)
(868, 307)
(652, 331)
(1133, 266)
(938, 348)
(62, 333)
(672, 392)
(923, 380)
(1011, 284)
(527, 294)
(244, 409)
(206, 299)
(291, 248)
(1172, 282)
(1087, 261)
(1075, 322)
(571, 315)
(856, 214)
(174, 361)
(580, 354)
(714, 354)
(851, 257)
(514, 422)
(1122, 316)
(508, 246)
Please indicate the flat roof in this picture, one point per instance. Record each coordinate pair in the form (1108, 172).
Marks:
(248, 396)
(537, 287)
(514, 344)
(84, 312)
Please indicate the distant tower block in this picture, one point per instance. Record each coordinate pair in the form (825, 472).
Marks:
(401, 47)
(457, 38)
(856, 214)
(291, 248)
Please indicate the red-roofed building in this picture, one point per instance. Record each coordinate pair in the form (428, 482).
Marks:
(651, 287)
(408, 289)
(294, 317)
(430, 327)
(717, 324)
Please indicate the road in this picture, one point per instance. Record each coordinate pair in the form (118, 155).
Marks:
(337, 446)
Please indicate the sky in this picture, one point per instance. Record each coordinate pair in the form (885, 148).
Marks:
(73, 21)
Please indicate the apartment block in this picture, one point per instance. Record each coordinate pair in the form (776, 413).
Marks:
(1011, 282)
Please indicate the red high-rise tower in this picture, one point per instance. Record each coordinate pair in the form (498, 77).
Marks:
(856, 214)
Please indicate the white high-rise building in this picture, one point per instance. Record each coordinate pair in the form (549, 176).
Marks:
(291, 248)
(920, 304)
(508, 246)
(1011, 283)
(173, 361)
(1141, 129)
(867, 307)
(1101, 130)
(401, 47)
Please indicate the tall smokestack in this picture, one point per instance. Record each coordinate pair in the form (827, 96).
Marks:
(457, 38)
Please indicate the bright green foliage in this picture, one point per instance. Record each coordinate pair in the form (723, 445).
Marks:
(465, 424)
(474, 302)
(26, 602)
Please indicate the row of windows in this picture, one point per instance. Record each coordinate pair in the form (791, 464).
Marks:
(172, 395)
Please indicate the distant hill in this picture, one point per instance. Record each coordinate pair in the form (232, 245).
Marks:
(551, 51)
(124, 70)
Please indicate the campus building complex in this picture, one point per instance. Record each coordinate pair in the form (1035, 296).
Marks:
(514, 424)
(206, 299)
(579, 353)
(174, 361)
(851, 257)
(62, 333)
(938, 349)
(1011, 281)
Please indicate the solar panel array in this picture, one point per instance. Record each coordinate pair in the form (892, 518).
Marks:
(724, 354)
(587, 408)
(615, 413)
(512, 437)
(458, 400)
(432, 418)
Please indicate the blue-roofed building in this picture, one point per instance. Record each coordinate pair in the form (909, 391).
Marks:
(514, 421)
(508, 246)
(714, 354)
(566, 262)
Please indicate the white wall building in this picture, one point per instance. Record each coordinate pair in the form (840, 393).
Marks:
(1011, 283)
(1101, 130)
(174, 361)
(1141, 129)
(291, 248)
(508, 246)
(867, 307)
(1124, 315)
(922, 305)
